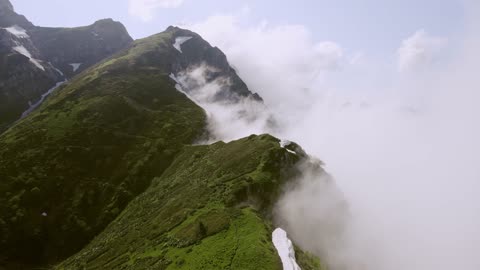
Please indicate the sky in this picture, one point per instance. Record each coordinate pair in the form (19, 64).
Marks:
(374, 26)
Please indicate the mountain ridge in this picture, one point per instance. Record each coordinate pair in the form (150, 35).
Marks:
(107, 172)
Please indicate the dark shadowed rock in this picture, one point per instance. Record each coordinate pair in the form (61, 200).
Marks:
(6, 5)
(22, 81)
(9, 17)
(85, 46)
(33, 59)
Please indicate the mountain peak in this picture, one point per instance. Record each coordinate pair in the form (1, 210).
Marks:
(9, 17)
(105, 21)
(172, 28)
(6, 5)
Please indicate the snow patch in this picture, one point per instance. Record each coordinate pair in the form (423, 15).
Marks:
(179, 41)
(42, 98)
(291, 151)
(284, 144)
(58, 70)
(75, 66)
(17, 31)
(22, 50)
(285, 249)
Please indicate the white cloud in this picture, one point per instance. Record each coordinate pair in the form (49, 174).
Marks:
(330, 55)
(419, 50)
(227, 119)
(145, 9)
(280, 62)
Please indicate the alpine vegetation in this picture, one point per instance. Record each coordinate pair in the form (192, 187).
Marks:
(346, 141)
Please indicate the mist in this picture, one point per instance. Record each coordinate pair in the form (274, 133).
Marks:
(228, 118)
(399, 140)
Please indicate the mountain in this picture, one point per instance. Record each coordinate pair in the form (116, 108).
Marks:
(34, 59)
(195, 51)
(94, 145)
(209, 210)
(9, 17)
(107, 172)
(81, 47)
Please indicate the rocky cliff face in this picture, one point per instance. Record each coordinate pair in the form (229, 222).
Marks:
(24, 74)
(9, 17)
(34, 59)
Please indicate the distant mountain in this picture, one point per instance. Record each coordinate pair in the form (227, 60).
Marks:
(9, 17)
(72, 50)
(34, 59)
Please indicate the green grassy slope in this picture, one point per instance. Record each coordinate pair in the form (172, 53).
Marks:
(209, 210)
(108, 157)
(91, 148)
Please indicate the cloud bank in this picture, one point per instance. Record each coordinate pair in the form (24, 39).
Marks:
(280, 60)
(404, 157)
(145, 9)
(228, 119)
(419, 51)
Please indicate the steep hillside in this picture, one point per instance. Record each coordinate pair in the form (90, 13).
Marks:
(34, 59)
(70, 167)
(24, 73)
(121, 131)
(209, 210)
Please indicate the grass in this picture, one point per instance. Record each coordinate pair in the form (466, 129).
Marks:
(90, 149)
(209, 210)
(108, 158)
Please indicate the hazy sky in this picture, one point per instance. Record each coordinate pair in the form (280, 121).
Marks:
(370, 25)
